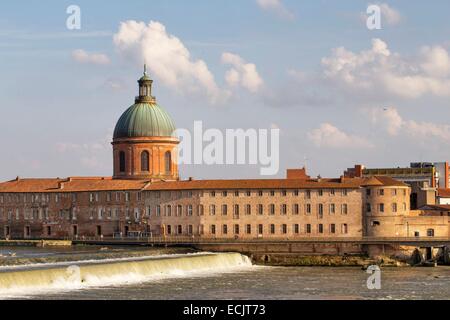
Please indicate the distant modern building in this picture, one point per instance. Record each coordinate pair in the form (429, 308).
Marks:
(424, 178)
(145, 197)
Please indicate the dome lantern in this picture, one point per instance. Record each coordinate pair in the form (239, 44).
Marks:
(145, 89)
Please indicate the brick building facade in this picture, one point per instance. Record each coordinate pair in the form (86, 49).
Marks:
(145, 197)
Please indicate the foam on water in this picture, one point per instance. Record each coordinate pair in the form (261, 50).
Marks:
(37, 279)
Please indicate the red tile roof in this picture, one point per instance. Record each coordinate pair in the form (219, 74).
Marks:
(444, 193)
(80, 184)
(75, 184)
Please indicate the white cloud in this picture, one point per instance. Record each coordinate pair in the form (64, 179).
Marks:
(389, 14)
(83, 56)
(167, 58)
(242, 74)
(391, 121)
(276, 6)
(386, 73)
(330, 136)
(90, 155)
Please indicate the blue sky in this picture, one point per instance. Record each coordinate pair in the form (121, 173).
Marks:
(381, 100)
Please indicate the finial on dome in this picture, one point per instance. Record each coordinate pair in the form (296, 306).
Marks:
(145, 69)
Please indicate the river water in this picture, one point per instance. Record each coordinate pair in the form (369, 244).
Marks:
(202, 277)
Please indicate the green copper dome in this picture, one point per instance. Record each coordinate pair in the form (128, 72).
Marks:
(144, 120)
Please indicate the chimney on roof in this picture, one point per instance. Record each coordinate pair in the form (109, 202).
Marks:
(299, 174)
(17, 178)
(60, 185)
(191, 179)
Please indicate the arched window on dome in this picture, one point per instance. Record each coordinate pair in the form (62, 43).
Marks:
(145, 157)
(168, 162)
(122, 161)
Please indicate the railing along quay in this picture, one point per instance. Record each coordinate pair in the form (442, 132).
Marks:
(201, 240)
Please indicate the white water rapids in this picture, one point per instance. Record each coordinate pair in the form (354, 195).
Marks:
(38, 279)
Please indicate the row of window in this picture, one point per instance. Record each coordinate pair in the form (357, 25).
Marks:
(381, 192)
(381, 207)
(188, 210)
(145, 161)
(260, 209)
(284, 193)
(261, 229)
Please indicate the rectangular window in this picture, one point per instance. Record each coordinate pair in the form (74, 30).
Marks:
(296, 228)
(332, 228)
(332, 208)
(308, 228)
(332, 192)
(344, 192)
(283, 209)
(212, 210)
(108, 196)
(381, 207)
(394, 192)
(271, 209)
(189, 210)
(225, 194)
(213, 229)
(344, 209)
(284, 228)
(368, 207)
(248, 209)
(236, 229)
(158, 210)
(296, 209)
(212, 194)
(367, 192)
(260, 209)
(272, 229)
(224, 229)
(236, 210)
(308, 194)
(344, 228)
(248, 193)
(320, 211)
(381, 192)
(308, 209)
(320, 193)
(200, 210)
(248, 229)
(283, 193)
(296, 193)
(224, 209)
(320, 228)
(394, 207)
(236, 193)
(260, 229)
(260, 193)
(127, 196)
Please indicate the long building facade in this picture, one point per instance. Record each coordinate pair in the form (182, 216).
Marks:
(146, 198)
